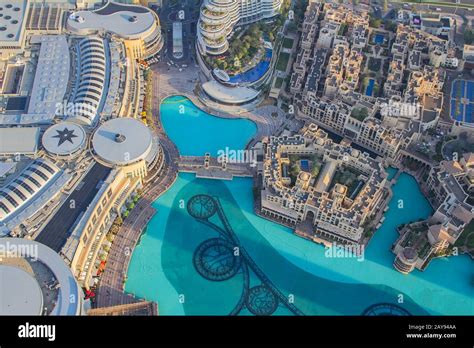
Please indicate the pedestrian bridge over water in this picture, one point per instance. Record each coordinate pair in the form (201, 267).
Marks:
(214, 168)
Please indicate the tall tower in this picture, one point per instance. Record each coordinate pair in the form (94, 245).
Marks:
(219, 17)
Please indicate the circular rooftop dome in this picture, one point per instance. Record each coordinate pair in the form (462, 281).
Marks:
(122, 141)
(64, 139)
(410, 254)
(21, 294)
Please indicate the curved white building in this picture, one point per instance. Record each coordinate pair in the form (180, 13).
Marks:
(126, 143)
(36, 281)
(219, 17)
(28, 192)
(28, 184)
(138, 26)
(92, 73)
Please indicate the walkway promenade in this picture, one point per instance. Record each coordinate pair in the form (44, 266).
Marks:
(111, 286)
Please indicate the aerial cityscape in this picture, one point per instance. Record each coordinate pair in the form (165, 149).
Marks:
(236, 157)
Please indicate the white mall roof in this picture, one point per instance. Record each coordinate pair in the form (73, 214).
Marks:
(127, 21)
(21, 293)
(19, 140)
(68, 285)
(11, 21)
(229, 95)
(64, 138)
(51, 78)
(135, 142)
(7, 167)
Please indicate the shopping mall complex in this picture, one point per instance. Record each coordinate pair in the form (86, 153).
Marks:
(76, 148)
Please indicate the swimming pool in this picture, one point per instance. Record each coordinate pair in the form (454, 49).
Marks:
(304, 164)
(370, 87)
(379, 39)
(256, 73)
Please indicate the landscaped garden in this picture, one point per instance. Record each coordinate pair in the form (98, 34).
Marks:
(282, 62)
(246, 48)
(311, 164)
(360, 113)
(348, 177)
(287, 43)
(374, 64)
(278, 82)
(243, 50)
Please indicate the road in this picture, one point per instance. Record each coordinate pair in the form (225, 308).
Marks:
(186, 12)
(59, 228)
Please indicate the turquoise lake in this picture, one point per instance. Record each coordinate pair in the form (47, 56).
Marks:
(167, 265)
(196, 132)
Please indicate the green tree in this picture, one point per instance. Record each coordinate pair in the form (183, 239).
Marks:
(374, 22)
(390, 25)
(315, 170)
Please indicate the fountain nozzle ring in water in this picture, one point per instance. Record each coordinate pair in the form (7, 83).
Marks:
(202, 206)
(214, 260)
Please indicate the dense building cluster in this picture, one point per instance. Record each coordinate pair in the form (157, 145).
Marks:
(382, 90)
(451, 185)
(317, 202)
(332, 83)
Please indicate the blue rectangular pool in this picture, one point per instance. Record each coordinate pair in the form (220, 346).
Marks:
(462, 90)
(304, 165)
(370, 87)
(379, 38)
